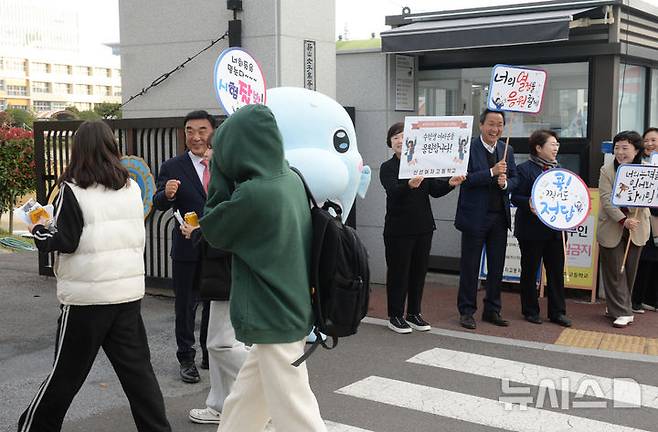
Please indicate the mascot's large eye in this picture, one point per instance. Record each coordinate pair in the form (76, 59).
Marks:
(341, 141)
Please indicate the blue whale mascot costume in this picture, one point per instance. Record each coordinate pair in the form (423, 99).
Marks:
(319, 140)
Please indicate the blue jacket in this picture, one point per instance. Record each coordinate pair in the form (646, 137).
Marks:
(527, 226)
(473, 203)
(189, 197)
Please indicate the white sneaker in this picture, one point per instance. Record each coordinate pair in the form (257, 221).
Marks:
(648, 307)
(623, 321)
(204, 416)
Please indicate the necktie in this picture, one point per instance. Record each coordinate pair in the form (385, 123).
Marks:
(206, 175)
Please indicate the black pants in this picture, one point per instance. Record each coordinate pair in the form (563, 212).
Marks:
(645, 289)
(494, 237)
(81, 332)
(406, 260)
(186, 283)
(532, 252)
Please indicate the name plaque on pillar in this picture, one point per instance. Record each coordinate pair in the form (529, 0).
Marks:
(404, 83)
(309, 64)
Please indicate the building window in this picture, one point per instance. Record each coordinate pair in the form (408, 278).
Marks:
(116, 91)
(83, 70)
(62, 88)
(465, 91)
(103, 91)
(61, 69)
(632, 89)
(39, 106)
(39, 68)
(116, 72)
(12, 64)
(82, 89)
(20, 107)
(3, 104)
(654, 99)
(59, 105)
(83, 106)
(40, 87)
(2, 85)
(16, 90)
(103, 72)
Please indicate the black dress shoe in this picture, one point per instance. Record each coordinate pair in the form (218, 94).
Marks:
(189, 373)
(533, 319)
(494, 318)
(467, 321)
(204, 364)
(561, 320)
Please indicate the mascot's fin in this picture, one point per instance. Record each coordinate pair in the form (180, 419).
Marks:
(364, 182)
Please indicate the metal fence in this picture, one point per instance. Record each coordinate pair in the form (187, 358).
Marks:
(154, 140)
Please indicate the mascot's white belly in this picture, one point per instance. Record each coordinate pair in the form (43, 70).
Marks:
(319, 140)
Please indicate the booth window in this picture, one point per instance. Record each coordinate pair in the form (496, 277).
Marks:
(465, 91)
(654, 98)
(632, 90)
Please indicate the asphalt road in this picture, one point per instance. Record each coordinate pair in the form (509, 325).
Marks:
(375, 381)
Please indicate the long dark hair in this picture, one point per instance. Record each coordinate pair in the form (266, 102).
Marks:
(95, 158)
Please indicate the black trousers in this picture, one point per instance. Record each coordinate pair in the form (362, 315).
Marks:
(645, 289)
(186, 289)
(406, 260)
(81, 332)
(532, 252)
(494, 237)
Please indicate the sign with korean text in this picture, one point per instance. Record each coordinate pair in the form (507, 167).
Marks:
(583, 250)
(636, 186)
(516, 89)
(238, 80)
(561, 199)
(404, 83)
(435, 146)
(309, 64)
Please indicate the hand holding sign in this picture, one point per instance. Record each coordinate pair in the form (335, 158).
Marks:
(560, 200)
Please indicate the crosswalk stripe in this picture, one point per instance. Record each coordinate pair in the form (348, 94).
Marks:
(338, 427)
(472, 409)
(622, 392)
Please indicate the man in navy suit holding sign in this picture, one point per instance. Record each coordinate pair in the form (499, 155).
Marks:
(483, 217)
(181, 186)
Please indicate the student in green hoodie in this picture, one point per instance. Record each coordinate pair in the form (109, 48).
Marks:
(266, 224)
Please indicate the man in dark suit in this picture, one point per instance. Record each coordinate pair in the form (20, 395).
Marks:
(182, 184)
(483, 217)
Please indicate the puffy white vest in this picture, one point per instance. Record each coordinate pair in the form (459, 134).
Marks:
(108, 265)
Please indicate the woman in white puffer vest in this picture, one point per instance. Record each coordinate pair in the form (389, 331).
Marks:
(98, 235)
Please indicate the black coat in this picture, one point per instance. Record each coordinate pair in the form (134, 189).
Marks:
(189, 197)
(215, 271)
(408, 211)
(527, 225)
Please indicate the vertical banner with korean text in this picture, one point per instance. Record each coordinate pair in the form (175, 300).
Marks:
(435, 146)
(404, 83)
(516, 89)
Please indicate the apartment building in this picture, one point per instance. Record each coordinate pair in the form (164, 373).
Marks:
(42, 67)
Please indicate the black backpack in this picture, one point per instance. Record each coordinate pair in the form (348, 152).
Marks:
(340, 277)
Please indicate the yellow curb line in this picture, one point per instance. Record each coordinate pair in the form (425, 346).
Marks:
(608, 341)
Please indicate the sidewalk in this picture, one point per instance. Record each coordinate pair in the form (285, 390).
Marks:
(590, 328)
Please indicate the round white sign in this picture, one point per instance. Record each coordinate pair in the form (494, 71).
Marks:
(561, 199)
(238, 80)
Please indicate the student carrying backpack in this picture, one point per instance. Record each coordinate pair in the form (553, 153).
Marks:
(340, 277)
